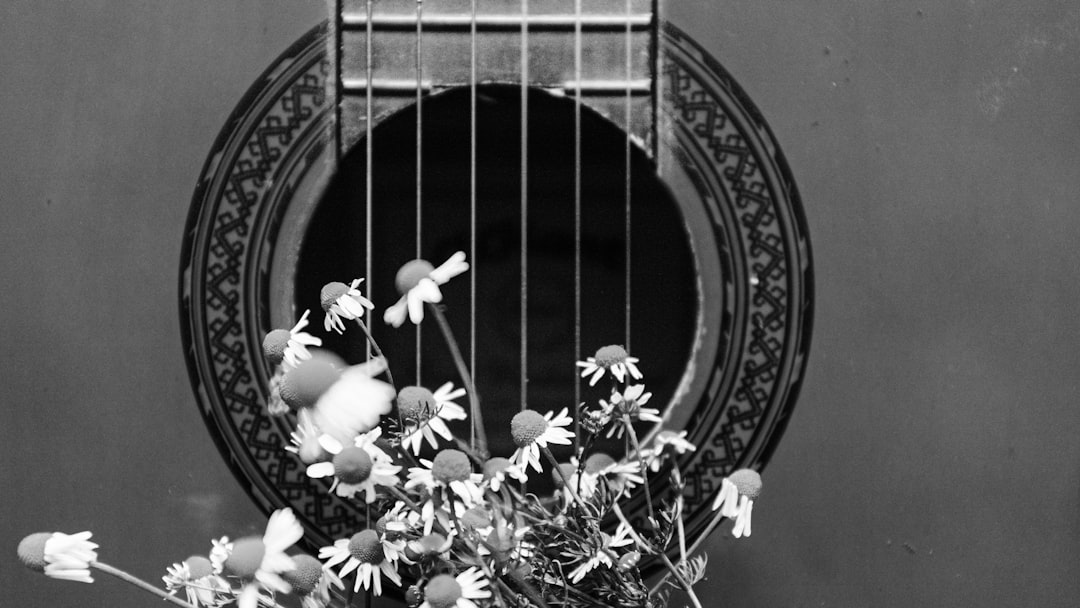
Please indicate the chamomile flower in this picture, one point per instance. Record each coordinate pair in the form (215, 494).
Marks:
(425, 414)
(301, 387)
(290, 345)
(418, 283)
(201, 585)
(364, 553)
(611, 358)
(446, 591)
(604, 553)
(58, 555)
(358, 467)
(311, 582)
(629, 403)
(665, 440)
(304, 441)
(259, 562)
(736, 499)
(451, 469)
(341, 301)
(498, 469)
(219, 552)
(620, 476)
(355, 403)
(531, 431)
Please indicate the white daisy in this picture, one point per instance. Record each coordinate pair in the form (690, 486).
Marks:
(341, 301)
(355, 403)
(505, 540)
(259, 562)
(311, 582)
(364, 553)
(290, 345)
(58, 555)
(393, 527)
(613, 358)
(219, 552)
(665, 440)
(619, 476)
(425, 413)
(359, 467)
(304, 441)
(531, 431)
(604, 553)
(629, 403)
(736, 499)
(432, 544)
(498, 469)
(451, 469)
(300, 387)
(201, 585)
(446, 591)
(418, 283)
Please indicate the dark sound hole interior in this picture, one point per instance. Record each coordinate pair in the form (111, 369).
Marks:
(663, 293)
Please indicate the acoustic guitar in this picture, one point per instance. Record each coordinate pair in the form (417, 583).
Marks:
(608, 180)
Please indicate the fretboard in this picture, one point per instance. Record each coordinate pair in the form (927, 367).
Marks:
(388, 51)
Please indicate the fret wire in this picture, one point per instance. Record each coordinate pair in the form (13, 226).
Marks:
(472, 210)
(577, 218)
(524, 199)
(419, 148)
(629, 110)
(368, 166)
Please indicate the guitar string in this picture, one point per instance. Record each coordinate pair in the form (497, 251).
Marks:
(368, 166)
(577, 216)
(524, 200)
(629, 110)
(419, 149)
(472, 209)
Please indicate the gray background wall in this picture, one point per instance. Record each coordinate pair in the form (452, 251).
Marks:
(932, 458)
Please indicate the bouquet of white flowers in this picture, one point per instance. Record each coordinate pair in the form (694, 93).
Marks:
(460, 529)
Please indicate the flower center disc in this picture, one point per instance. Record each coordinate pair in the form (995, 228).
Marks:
(609, 355)
(352, 465)
(366, 547)
(416, 403)
(246, 557)
(526, 426)
(411, 273)
(305, 576)
(302, 387)
(199, 566)
(451, 465)
(330, 294)
(443, 591)
(274, 345)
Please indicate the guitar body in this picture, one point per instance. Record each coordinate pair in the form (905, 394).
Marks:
(705, 273)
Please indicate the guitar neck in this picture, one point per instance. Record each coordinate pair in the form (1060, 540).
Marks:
(389, 52)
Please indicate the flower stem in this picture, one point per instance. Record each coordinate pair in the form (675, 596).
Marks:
(375, 348)
(141, 584)
(685, 584)
(566, 482)
(641, 459)
(480, 438)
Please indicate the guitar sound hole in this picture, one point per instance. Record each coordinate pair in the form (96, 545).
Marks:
(663, 292)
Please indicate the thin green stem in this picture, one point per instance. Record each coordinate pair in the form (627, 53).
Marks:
(480, 443)
(138, 582)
